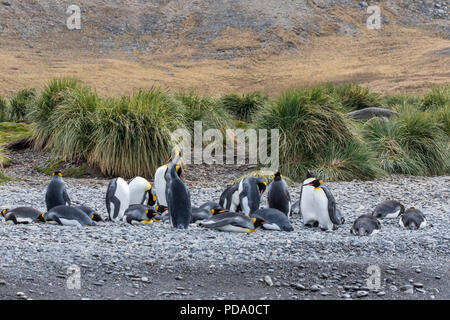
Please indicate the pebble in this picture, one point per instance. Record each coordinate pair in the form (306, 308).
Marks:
(362, 293)
(268, 280)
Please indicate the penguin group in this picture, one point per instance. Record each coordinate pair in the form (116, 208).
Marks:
(238, 209)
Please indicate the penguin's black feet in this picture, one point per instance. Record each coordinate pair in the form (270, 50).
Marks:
(312, 224)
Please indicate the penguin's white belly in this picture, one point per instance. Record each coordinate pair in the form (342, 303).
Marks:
(392, 215)
(375, 231)
(271, 226)
(24, 220)
(123, 194)
(69, 222)
(160, 186)
(138, 190)
(234, 201)
(314, 207)
(423, 224)
(244, 206)
(231, 228)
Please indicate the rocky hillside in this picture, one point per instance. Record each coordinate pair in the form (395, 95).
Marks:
(166, 35)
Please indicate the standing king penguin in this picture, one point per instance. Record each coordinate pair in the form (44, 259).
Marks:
(250, 191)
(56, 194)
(117, 199)
(159, 186)
(318, 206)
(178, 196)
(278, 195)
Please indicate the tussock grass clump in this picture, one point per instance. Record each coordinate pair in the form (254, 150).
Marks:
(48, 100)
(351, 161)
(384, 137)
(205, 109)
(243, 107)
(439, 96)
(73, 123)
(425, 141)
(20, 104)
(309, 124)
(400, 101)
(132, 134)
(3, 110)
(354, 97)
(442, 116)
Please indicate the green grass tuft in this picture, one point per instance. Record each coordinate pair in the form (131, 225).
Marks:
(438, 97)
(46, 103)
(20, 104)
(3, 110)
(243, 107)
(355, 97)
(132, 134)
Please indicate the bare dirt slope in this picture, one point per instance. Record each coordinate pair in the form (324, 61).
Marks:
(221, 46)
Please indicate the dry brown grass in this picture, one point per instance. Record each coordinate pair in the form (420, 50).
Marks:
(391, 60)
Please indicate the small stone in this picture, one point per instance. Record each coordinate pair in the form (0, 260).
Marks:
(362, 293)
(268, 280)
(299, 286)
(407, 288)
(144, 279)
(346, 296)
(418, 285)
(20, 294)
(314, 288)
(2, 282)
(178, 278)
(381, 293)
(393, 288)
(420, 290)
(418, 270)
(324, 293)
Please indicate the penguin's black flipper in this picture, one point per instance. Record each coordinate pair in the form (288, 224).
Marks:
(66, 197)
(334, 215)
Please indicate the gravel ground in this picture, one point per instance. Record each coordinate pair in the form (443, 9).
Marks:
(154, 261)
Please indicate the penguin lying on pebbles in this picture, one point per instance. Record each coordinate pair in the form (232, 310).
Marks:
(250, 191)
(68, 216)
(272, 219)
(139, 213)
(141, 192)
(205, 211)
(178, 197)
(91, 213)
(56, 194)
(230, 221)
(318, 206)
(278, 194)
(366, 225)
(413, 219)
(229, 199)
(22, 215)
(388, 209)
(117, 199)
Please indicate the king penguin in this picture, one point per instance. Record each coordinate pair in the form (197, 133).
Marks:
(141, 192)
(159, 186)
(117, 199)
(68, 216)
(139, 213)
(205, 211)
(388, 209)
(178, 196)
(229, 199)
(230, 221)
(271, 219)
(278, 195)
(413, 219)
(22, 215)
(250, 191)
(56, 194)
(318, 206)
(366, 225)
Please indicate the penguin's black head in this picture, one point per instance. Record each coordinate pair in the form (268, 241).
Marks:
(96, 217)
(310, 174)
(277, 176)
(315, 183)
(4, 212)
(179, 171)
(40, 218)
(57, 173)
(262, 185)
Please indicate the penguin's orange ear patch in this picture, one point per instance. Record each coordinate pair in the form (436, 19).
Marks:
(320, 181)
(59, 174)
(254, 220)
